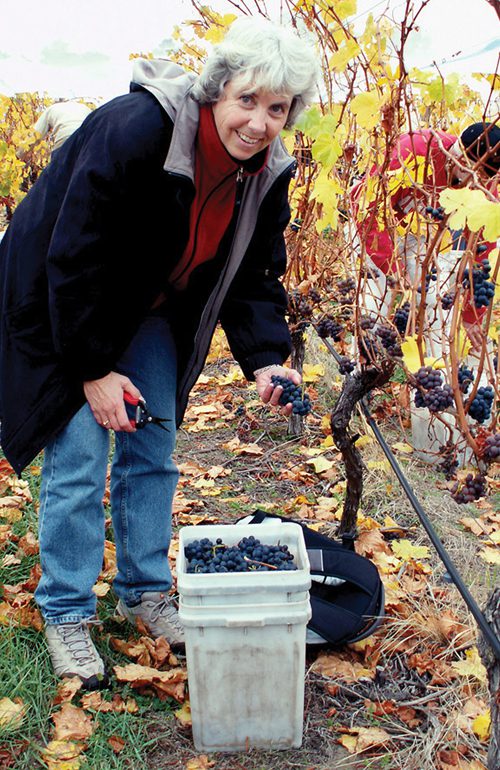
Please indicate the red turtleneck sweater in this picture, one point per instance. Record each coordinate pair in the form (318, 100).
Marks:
(215, 183)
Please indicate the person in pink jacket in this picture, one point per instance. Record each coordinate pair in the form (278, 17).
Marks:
(437, 160)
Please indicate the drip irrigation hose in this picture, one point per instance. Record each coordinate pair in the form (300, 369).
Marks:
(483, 624)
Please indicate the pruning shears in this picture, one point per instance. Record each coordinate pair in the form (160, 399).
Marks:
(142, 416)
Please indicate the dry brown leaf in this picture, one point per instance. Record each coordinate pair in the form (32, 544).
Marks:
(364, 738)
(11, 713)
(167, 683)
(62, 754)
(66, 690)
(9, 560)
(72, 723)
(235, 445)
(199, 763)
(442, 672)
(117, 743)
(183, 715)
(28, 544)
(342, 665)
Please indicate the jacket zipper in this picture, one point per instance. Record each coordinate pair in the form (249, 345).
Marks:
(239, 180)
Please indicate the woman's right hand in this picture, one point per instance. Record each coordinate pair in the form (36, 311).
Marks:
(105, 398)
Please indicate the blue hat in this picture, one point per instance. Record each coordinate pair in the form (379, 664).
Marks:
(482, 141)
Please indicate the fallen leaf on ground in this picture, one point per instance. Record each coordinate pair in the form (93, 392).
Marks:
(67, 689)
(359, 739)
(471, 666)
(117, 743)
(166, 683)
(62, 755)
(11, 713)
(183, 715)
(342, 665)
(405, 550)
(199, 763)
(235, 445)
(72, 723)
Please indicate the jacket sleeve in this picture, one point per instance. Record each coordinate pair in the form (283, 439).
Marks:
(253, 313)
(88, 268)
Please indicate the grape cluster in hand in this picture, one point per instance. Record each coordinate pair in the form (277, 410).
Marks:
(491, 451)
(292, 394)
(484, 289)
(249, 555)
(480, 406)
(472, 489)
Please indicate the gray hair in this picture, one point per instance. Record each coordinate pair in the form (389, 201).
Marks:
(264, 55)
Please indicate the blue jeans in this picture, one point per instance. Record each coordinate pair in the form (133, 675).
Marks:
(143, 481)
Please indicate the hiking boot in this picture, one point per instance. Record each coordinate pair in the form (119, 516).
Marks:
(158, 613)
(73, 653)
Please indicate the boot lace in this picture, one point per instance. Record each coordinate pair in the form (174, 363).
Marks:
(75, 636)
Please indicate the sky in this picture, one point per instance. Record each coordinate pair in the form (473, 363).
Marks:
(80, 48)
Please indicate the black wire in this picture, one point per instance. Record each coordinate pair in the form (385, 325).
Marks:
(483, 624)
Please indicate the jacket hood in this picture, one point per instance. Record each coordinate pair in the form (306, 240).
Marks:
(167, 81)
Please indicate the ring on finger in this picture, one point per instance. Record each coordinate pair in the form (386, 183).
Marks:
(105, 423)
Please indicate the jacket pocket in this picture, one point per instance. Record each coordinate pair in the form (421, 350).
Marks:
(30, 332)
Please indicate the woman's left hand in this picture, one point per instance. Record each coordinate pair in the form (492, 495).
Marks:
(269, 393)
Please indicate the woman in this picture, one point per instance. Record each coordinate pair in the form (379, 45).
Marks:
(161, 215)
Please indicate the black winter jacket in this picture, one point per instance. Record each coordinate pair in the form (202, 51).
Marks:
(91, 246)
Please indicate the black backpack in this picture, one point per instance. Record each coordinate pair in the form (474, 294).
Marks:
(347, 595)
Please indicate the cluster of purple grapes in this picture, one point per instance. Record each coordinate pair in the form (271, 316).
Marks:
(449, 463)
(491, 451)
(292, 394)
(346, 287)
(367, 322)
(480, 406)
(249, 555)
(447, 300)
(346, 366)
(483, 288)
(401, 318)
(390, 340)
(472, 489)
(328, 327)
(436, 213)
(436, 396)
(465, 378)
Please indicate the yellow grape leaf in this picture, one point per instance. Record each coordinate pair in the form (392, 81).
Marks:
(345, 8)
(11, 714)
(327, 442)
(345, 53)
(490, 555)
(363, 441)
(493, 80)
(400, 446)
(327, 150)
(366, 106)
(183, 715)
(407, 551)
(320, 464)
(312, 372)
(411, 355)
(378, 465)
(471, 666)
(473, 208)
(481, 726)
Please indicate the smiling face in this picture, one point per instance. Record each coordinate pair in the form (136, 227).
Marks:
(248, 119)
